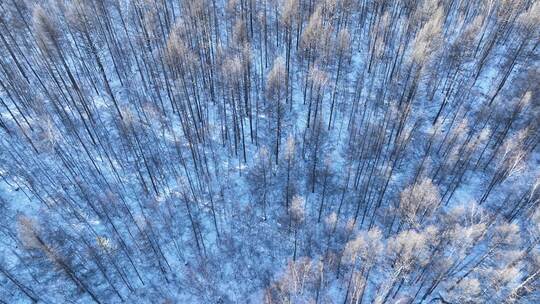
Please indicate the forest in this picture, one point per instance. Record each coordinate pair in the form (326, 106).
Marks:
(270, 151)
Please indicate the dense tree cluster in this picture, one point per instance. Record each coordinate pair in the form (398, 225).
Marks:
(269, 151)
